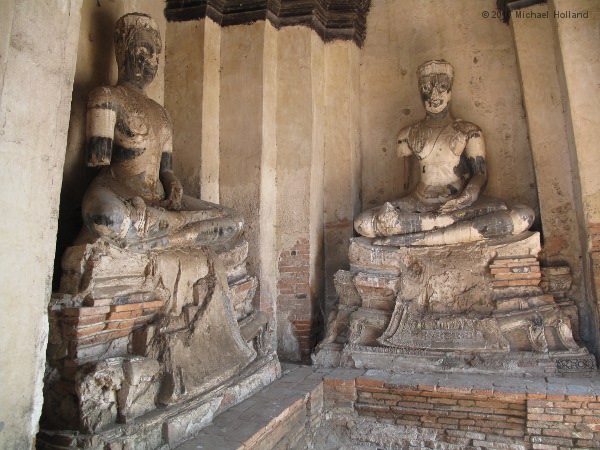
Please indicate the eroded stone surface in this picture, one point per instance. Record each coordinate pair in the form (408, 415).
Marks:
(476, 306)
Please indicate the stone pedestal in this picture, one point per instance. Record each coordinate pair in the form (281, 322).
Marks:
(151, 339)
(476, 306)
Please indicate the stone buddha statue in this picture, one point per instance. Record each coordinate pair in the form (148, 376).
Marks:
(136, 201)
(446, 206)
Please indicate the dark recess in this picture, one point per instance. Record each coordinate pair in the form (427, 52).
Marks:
(331, 19)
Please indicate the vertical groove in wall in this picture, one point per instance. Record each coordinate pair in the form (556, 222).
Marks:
(211, 132)
(268, 179)
(317, 180)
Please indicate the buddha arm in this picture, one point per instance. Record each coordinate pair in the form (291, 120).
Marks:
(172, 185)
(100, 127)
(475, 154)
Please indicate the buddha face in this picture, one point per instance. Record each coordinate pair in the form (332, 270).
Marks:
(436, 92)
(141, 60)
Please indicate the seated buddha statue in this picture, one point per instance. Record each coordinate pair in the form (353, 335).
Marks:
(446, 206)
(136, 201)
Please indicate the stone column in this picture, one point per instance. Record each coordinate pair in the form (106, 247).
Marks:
(296, 299)
(268, 179)
(210, 111)
(38, 45)
(184, 98)
(535, 47)
(579, 72)
(342, 157)
(241, 103)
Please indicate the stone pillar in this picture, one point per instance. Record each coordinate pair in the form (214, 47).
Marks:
(184, 97)
(268, 179)
(342, 157)
(579, 71)
(38, 45)
(240, 110)
(535, 47)
(211, 83)
(296, 298)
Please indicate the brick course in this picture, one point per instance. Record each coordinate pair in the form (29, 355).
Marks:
(294, 294)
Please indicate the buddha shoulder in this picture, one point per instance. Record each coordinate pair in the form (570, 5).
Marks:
(469, 129)
(102, 97)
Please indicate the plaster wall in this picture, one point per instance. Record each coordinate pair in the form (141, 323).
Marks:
(294, 158)
(535, 44)
(96, 66)
(240, 112)
(268, 180)
(211, 96)
(184, 73)
(578, 40)
(38, 41)
(579, 71)
(486, 91)
(342, 157)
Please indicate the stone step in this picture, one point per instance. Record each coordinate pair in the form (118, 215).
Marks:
(275, 417)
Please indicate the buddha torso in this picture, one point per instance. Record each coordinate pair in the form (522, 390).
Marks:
(141, 133)
(439, 149)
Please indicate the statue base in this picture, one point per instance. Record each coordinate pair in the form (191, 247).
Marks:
(171, 425)
(151, 343)
(470, 307)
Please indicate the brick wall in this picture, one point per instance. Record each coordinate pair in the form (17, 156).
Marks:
(466, 417)
(468, 411)
(566, 421)
(594, 237)
(294, 295)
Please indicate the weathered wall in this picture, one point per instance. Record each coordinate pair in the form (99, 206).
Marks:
(403, 35)
(535, 44)
(579, 71)
(96, 66)
(342, 158)
(184, 74)
(38, 41)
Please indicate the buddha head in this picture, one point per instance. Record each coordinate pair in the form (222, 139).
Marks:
(137, 48)
(435, 85)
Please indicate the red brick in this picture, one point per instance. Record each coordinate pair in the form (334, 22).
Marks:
(533, 395)
(346, 389)
(102, 337)
(515, 283)
(83, 320)
(97, 301)
(569, 404)
(545, 417)
(370, 382)
(443, 401)
(556, 397)
(80, 332)
(581, 398)
(86, 311)
(120, 324)
(127, 307)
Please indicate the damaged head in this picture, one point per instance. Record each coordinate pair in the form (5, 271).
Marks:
(137, 48)
(435, 85)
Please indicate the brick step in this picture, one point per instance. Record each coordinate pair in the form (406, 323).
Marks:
(273, 418)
